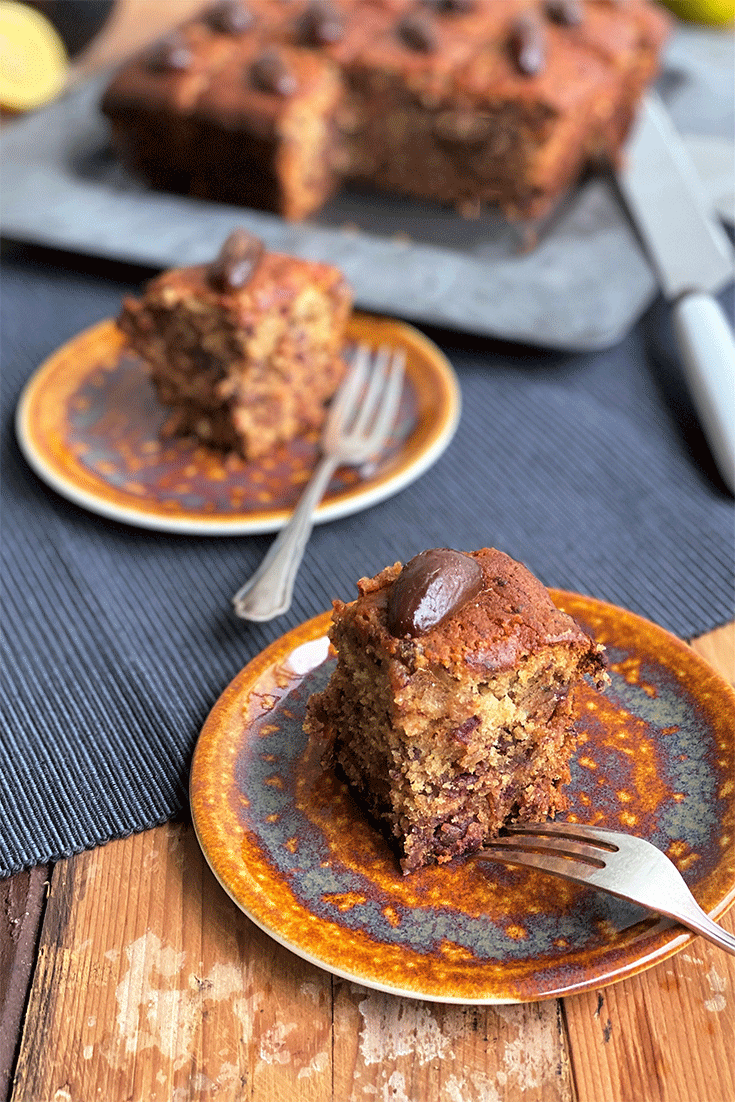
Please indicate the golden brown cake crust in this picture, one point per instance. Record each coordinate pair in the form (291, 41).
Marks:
(512, 617)
(276, 280)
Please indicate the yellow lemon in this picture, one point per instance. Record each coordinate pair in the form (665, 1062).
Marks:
(715, 13)
(33, 61)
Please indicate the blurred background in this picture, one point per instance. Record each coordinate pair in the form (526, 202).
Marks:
(46, 43)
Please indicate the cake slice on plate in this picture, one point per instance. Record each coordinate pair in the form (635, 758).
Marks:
(246, 351)
(450, 708)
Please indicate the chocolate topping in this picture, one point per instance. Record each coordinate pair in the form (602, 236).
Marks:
(238, 259)
(418, 33)
(528, 44)
(171, 55)
(230, 17)
(320, 25)
(270, 73)
(568, 13)
(430, 588)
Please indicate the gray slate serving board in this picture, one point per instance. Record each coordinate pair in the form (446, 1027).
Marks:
(581, 288)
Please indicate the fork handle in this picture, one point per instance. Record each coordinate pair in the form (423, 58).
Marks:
(268, 593)
(694, 918)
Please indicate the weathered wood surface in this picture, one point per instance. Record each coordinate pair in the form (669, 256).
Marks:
(22, 900)
(150, 986)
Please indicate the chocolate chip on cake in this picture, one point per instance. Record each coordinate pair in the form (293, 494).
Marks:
(430, 588)
(230, 17)
(270, 73)
(320, 25)
(528, 45)
(418, 33)
(236, 262)
(171, 54)
(567, 13)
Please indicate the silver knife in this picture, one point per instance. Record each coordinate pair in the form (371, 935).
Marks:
(693, 260)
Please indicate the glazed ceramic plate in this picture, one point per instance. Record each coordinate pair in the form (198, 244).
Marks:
(89, 424)
(296, 854)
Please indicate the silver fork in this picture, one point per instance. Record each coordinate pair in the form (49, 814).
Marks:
(621, 864)
(359, 422)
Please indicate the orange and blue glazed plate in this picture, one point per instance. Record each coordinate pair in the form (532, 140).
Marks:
(297, 855)
(89, 424)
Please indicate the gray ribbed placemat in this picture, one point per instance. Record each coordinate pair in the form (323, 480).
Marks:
(117, 641)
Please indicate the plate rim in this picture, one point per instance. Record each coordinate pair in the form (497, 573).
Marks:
(346, 503)
(314, 629)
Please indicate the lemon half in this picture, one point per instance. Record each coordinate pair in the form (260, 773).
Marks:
(33, 60)
(715, 13)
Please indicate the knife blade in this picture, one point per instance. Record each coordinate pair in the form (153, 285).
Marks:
(693, 260)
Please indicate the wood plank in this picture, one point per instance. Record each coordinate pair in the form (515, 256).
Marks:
(718, 648)
(151, 985)
(22, 899)
(666, 1035)
(412, 1051)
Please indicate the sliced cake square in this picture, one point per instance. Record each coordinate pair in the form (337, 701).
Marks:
(246, 351)
(450, 708)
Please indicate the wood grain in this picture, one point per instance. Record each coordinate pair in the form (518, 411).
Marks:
(410, 1051)
(718, 648)
(22, 899)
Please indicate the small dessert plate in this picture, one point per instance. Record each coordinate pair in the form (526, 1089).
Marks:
(89, 424)
(288, 844)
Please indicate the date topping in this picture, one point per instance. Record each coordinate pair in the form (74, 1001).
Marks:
(270, 73)
(171, 55)
(237, 260)
(567, 13)
(418, 33)
(528, 45)
(320, 25)
(431, 587)
(230, 17)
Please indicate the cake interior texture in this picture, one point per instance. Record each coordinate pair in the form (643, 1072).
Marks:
(448, 735)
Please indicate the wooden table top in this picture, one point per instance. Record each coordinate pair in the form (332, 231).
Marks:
(126, 973)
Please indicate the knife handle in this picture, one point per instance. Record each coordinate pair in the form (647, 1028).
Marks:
(707, 346)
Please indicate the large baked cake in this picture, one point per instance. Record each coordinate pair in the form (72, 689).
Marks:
(246, 351)
(450, 707)
(271, 103)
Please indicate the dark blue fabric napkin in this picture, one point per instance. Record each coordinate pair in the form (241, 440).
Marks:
(117, 641)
